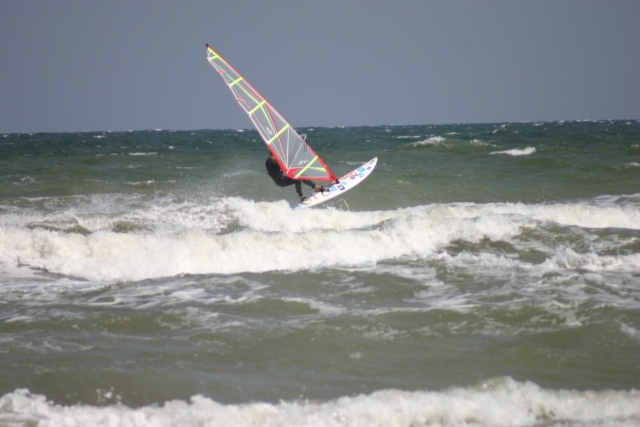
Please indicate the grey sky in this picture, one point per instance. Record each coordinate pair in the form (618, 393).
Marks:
(121, 64)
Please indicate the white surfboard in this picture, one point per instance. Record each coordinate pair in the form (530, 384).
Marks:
(345, 183)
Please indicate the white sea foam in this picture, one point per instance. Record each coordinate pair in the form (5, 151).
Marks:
(517, 151)
(234, 235)
(149, 182)
(632, 333)
(321, 307)
(480, 143)
(500, 129)
(499, 402)
(433, 140)
(568, 259)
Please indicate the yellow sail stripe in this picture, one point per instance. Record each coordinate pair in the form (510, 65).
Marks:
(306, 167)
(246, 92)
(267, 122)
(257, 106)
(278, 134)
(214, 55)
(236, 81)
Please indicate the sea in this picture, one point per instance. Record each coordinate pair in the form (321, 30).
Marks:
(482, 275)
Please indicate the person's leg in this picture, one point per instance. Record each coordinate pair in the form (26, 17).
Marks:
(285, 182)
(313, 185)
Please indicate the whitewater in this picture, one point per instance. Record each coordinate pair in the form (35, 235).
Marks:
(484, 274)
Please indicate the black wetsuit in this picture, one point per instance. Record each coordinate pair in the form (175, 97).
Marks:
(274, 171)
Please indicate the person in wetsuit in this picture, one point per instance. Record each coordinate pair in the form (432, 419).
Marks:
(274, 171)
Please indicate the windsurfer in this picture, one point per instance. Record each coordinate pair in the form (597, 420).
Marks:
(274, 171)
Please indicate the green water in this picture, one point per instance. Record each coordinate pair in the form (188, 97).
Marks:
(498, 260)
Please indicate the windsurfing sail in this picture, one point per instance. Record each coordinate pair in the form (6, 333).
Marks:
(294, 155)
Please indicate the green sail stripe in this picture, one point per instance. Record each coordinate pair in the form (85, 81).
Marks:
(306, 167)
(278, 134)
(267, 120)
(318, 169)
(214, 55)
(235, 82)
(246, 92)
(256, 107)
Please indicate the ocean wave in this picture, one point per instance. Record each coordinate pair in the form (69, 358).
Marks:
(433, 140)
(448, 143)
(232, 235)
(496, 402)
(517, 151)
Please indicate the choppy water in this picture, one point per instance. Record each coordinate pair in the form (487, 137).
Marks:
(482, 275)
